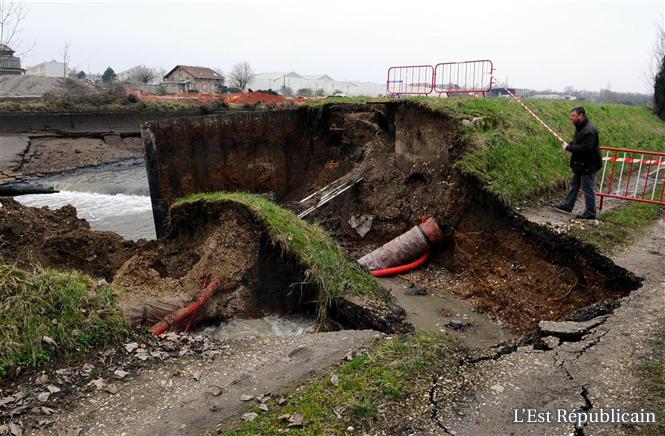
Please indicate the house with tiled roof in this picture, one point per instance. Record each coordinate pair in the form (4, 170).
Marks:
(9, 64)
(194, 79)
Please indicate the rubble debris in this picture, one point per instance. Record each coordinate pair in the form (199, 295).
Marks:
(362, 224)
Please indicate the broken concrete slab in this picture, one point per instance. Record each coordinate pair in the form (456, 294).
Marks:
(569, 329)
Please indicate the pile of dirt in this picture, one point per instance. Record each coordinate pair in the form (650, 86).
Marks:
(255, 98)
(36, 86)
(230, 245)
(235, 99)
(57, 238)
(224, 241)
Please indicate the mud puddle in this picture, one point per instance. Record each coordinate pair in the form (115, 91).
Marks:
(447, 313)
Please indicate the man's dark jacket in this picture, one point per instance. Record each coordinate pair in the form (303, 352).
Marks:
(585, 149)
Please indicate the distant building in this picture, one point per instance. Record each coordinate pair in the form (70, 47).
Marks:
(322, 82)
(185, 78)
(501, 92)
(9, 64)
(553, 97)
(51, 68)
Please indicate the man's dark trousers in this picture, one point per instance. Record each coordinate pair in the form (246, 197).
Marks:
(588, 186)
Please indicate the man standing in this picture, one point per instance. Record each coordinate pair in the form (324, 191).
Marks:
(585, 161)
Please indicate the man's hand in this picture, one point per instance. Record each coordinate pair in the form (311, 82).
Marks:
(564, 146)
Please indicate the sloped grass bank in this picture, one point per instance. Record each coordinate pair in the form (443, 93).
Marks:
(514, 157)
(47, 314)
(388, 373)
(325, 265)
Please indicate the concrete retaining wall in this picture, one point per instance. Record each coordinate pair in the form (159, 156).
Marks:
(118, 122)
(259, 152)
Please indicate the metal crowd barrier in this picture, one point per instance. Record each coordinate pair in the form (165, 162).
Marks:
(410, 80)
(634, 175)
(468, 77)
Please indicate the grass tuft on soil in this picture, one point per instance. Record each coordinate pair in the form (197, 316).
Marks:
(325, 264)
(66, 307)
(388, 373)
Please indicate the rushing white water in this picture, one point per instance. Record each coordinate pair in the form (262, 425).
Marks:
(111, 197)
(267, 326)
(128, 215)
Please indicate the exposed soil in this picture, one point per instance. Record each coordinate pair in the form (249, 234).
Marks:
(58, 238)
(210, 242)
(517, 272)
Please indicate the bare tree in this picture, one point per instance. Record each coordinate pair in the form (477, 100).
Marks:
(286, 91)
(241, 74)
(12, 14)
(658, 57)
(221, 74)
(65, 58)
(143, 74)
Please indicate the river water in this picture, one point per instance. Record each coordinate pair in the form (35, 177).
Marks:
(112, 197)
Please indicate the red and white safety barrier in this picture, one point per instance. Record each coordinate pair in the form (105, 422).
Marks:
(634, 175)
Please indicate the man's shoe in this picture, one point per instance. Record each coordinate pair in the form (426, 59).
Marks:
(563, 208)
(585, 216)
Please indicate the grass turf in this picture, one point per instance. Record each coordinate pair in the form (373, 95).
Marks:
(325, 264)
(66, 307)
(619, 227)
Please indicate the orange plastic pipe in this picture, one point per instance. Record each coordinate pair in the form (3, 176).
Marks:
(180, 314)
(402, 268)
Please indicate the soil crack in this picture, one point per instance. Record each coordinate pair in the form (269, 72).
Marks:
(494, 353)
(435, 405)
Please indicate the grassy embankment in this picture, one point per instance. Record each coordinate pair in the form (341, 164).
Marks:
(515, 158)
(49, 314)
(387, 373)
(325, 265)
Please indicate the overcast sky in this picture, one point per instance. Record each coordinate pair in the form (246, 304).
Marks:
(534, 44)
